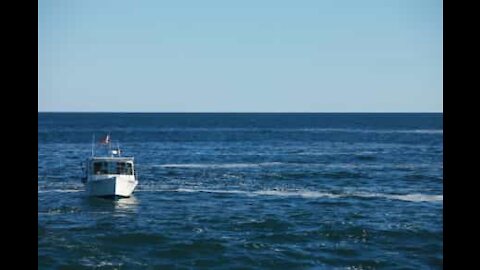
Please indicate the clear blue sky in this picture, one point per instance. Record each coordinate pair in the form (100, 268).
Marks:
(240, 56)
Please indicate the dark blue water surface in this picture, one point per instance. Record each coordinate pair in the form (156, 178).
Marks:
(246, 191)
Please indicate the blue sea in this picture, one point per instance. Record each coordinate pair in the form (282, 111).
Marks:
(246, 191)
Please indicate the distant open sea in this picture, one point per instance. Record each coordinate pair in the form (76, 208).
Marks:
(246, 191)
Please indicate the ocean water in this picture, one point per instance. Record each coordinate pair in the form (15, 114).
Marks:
(246, 191)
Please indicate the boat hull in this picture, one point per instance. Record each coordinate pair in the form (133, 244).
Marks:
(111, 187)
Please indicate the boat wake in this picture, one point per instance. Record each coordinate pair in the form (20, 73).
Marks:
(219, 165)
(416, 197)
(60, 190)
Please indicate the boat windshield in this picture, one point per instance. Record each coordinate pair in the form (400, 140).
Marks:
(112, 167)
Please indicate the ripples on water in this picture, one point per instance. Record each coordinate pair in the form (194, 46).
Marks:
(247, 192)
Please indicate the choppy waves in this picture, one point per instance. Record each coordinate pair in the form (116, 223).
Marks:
(251, 129)
(276, 192)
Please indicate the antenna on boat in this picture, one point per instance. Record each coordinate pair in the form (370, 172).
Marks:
(93, 144)
(118, 149)
(109, 145)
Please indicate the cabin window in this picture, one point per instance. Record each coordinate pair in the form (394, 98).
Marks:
(128, 169)
(102, 167)
(124, 168)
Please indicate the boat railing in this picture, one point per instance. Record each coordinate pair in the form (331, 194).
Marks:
(109, 149)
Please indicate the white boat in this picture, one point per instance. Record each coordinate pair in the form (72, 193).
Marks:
(110, 175)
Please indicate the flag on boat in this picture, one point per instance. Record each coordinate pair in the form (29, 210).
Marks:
(105, 140)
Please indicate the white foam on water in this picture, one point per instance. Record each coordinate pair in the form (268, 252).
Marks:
(425, 131)
(417, 197)
(60, 190)
(414, 197)
(358, 130)
(93, 262)
(304, 194)
(218, 165)
(212, 191)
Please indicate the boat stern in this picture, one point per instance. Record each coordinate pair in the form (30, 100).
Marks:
(112, 186)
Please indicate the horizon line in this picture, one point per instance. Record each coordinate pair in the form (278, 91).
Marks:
(252, 112)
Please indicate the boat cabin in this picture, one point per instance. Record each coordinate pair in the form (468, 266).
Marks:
(112, 167)
(97, 166)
